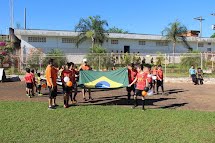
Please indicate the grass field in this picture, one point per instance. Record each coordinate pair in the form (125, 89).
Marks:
(33, 122)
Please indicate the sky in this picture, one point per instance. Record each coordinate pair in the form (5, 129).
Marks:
(135, 16)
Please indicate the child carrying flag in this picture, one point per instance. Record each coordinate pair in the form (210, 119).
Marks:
(141, 85)
(132, 73)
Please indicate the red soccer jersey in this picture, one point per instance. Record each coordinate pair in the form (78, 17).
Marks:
(131, 75)
(141, 80)
(73, 73)
(67, 73)
(28, 78)
(159, 74)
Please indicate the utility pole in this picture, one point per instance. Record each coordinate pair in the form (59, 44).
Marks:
(200, 19)
(11, 14)
(25, 18)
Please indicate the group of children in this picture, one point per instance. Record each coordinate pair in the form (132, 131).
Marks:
(143, 78)
(33, 83)
(196, 75)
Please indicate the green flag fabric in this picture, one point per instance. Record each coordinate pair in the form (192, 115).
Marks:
(108, 79)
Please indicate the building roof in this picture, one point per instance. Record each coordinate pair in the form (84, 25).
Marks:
(56, 33)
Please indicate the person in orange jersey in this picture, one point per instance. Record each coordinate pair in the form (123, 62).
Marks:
(51, 78)
(85, 66)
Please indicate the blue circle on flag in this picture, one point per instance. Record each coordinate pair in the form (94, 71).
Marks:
(102, 84)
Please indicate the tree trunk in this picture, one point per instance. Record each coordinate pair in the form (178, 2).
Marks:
(174, 46)
(92, 44)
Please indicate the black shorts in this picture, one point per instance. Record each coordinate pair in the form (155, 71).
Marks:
(138, 92)
(29, 85)
(159, 82)
(39, 87)
(132, 88)
(52, 92)
(67, 89)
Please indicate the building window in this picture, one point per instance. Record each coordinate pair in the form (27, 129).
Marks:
(142, 42)
(208, 49)
(37, 39)
(200, 44)
(162, 43)
(68, 40)
(209, 44)
(114, 41)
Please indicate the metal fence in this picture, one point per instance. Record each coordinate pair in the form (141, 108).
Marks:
(174, 65)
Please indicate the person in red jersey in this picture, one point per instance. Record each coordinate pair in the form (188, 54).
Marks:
(29, 82)
(66, 89)
(160, 79)
(132, 72)
(154, 78)
(74, 85)
(34, 83)
(141, 85)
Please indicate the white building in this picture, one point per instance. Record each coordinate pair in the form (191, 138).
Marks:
(45, 40)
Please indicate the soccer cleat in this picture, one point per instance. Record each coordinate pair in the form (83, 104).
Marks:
(134, 106)
(51, 108)
(40, 94)
(74, 101)
(65, 106)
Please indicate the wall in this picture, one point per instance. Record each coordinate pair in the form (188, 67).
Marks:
(149, 47)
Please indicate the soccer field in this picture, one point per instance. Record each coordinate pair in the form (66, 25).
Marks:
(32, 122)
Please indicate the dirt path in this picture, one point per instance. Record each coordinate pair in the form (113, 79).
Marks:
(180, 96)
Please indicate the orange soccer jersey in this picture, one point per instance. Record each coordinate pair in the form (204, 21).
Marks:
(51, 72)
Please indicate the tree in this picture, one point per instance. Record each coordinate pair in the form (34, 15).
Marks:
(99, 58)
(174, 33)
(116, 30)
(213, 36)
(92, 27)
(58, 56)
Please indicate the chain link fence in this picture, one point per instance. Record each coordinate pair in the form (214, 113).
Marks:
(174, 65)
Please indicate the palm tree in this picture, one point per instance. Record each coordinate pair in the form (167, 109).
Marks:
(175, 33)
(93, 28)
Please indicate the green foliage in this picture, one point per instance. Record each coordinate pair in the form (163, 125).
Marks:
(34, 59)
(213, 36)
(29, 122)
(98, 58)
(192, 58)
(92, 27)
(117, 30)
(174, 33)
(127, 59)
(160, 59)
(58, 56)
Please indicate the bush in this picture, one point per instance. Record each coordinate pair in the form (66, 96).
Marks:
(187, 60)
(160, 59)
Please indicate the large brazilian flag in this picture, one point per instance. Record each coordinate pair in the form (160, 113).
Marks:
(108, 79)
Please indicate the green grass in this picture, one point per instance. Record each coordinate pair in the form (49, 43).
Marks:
(32, 122)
